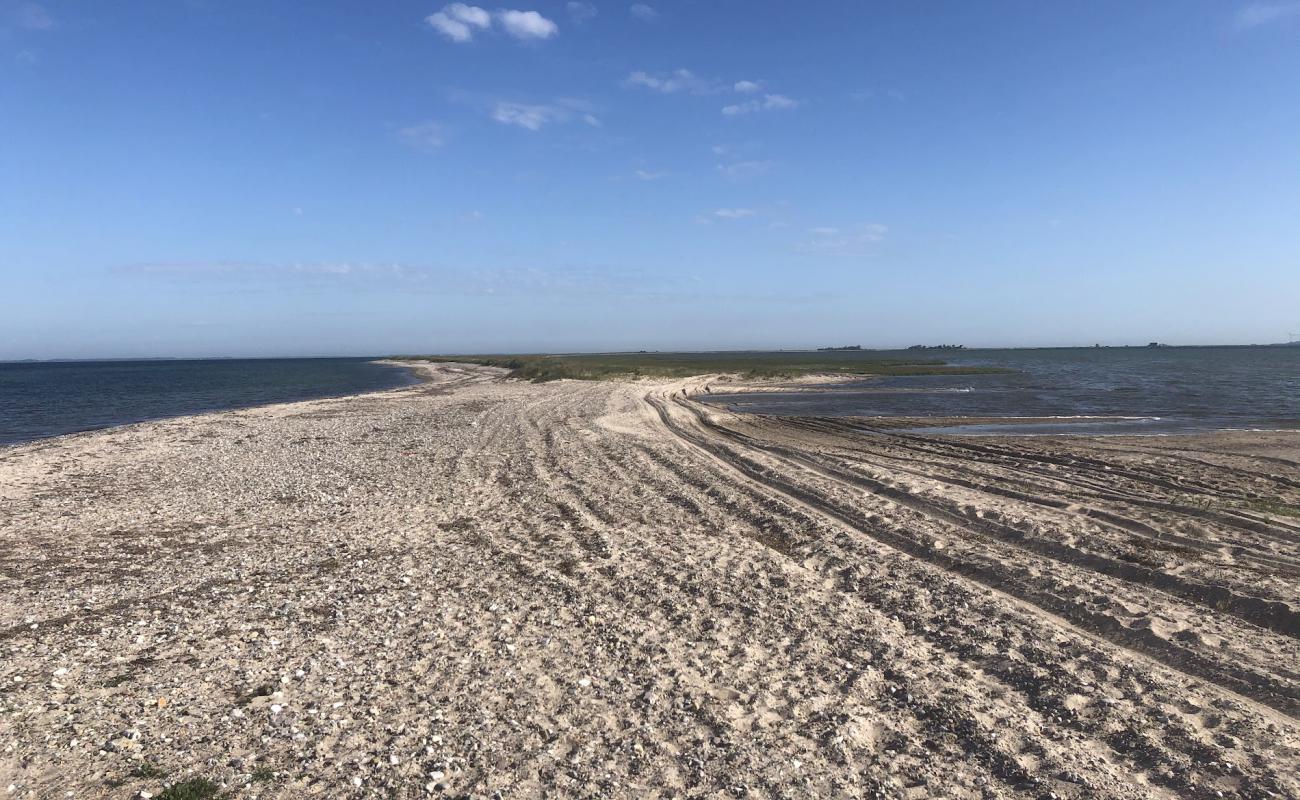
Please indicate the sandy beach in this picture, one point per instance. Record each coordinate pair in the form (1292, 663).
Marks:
(477, 587)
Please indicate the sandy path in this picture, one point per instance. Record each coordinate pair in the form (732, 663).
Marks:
(598, 589)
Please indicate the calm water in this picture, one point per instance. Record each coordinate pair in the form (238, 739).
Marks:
(1166, 390)
(49, 399)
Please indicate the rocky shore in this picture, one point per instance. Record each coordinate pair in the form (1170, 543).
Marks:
(477, 587)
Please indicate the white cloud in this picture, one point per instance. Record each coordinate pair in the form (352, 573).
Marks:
(581, 12)
(824, 231)
(525, 116)
(643, 12)
(527, 25)
(747, 87)
(534, 116)
(1256, 14)
(646, 175)
(679, 80)
(425, 136)
(771, 102)
(734, 213)
(458, 21)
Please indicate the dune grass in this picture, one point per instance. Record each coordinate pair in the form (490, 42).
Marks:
(613, 366)
(192, 789)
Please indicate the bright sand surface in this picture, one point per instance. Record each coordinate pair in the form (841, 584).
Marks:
(481, 587)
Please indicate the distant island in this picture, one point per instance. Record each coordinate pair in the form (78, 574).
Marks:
(937, 347)
(846, 347)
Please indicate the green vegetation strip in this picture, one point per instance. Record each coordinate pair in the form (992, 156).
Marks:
(192, 789)
(1273, 505)
(614, 366)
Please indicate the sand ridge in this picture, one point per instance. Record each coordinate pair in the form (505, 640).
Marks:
(477, 586)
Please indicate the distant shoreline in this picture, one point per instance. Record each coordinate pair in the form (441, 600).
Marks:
(372, 358)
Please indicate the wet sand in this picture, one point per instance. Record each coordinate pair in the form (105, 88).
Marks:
(476, 587)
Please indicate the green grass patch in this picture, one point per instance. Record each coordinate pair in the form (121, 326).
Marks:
(146, 770)
(263, 775)
(192, 789)
(1273, 505)
(615, 366)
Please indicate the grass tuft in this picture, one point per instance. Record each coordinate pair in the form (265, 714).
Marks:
(146, 770)
(192, 789)
(263, 775)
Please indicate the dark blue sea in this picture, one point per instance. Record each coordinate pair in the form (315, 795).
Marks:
(40, 399)
(1133, 390)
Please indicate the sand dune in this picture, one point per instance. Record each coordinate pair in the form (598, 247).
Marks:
(478, 586)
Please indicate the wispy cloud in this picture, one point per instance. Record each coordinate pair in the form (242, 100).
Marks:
(297, 273)
(679, 80)
(683, 81)
(734, 213)
(525, 116)
(771, 102)
(1257, 14)
(31, 16)
(426, 136)
(740, 161)
(643, 12)
(460, 22)
(739, 170)
(856, 240)
(557, 281)
(534, 117)
(646, 175)
(581, 12)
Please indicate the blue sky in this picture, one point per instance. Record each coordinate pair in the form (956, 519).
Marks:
(273, 178)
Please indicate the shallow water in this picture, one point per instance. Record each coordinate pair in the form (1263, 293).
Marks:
(49, 399)
(1136, 390)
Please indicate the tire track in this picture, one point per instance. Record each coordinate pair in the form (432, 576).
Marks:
(1246, 683)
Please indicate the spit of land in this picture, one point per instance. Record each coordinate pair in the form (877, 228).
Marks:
(489, 587)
